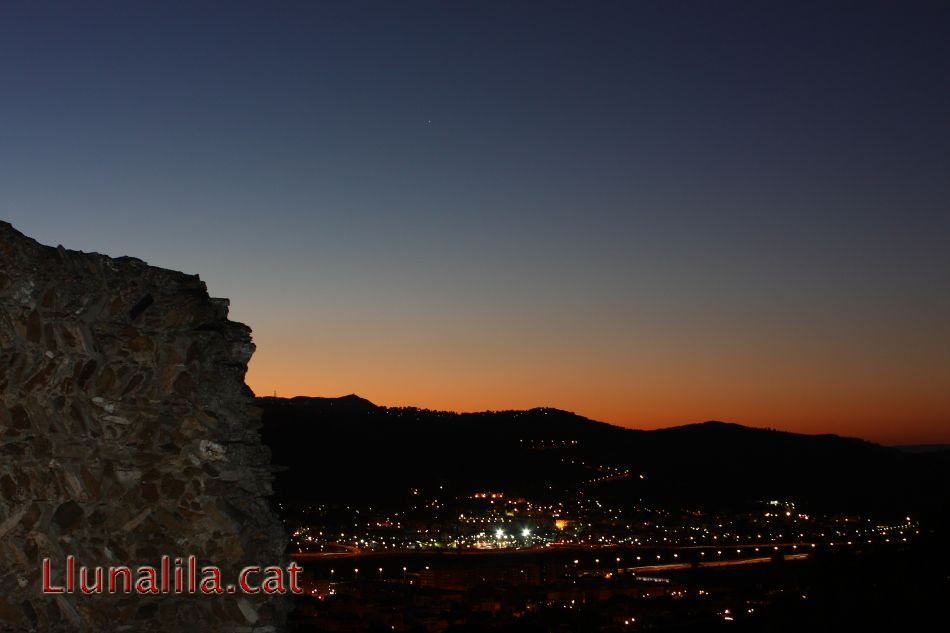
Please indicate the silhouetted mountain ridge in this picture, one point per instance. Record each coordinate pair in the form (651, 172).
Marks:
(374, 452)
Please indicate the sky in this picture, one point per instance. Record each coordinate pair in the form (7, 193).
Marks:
(648, 213)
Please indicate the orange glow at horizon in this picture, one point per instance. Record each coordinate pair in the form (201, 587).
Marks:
(654, 387)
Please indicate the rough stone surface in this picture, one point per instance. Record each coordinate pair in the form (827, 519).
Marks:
(126, 433)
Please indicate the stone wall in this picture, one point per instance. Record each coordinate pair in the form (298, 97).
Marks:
(126, 433)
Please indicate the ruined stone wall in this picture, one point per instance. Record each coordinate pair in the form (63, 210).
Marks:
(126, 433)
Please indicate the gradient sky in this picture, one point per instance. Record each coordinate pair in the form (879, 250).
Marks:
(649, 213)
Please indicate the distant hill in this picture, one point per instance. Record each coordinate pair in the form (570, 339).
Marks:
(349, 449)
(924, 448)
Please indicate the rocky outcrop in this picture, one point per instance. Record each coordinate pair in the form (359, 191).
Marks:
(126, 433)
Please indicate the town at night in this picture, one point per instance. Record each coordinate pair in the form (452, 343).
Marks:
(474, 316)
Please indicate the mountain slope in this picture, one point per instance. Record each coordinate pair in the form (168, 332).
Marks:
(350, 449)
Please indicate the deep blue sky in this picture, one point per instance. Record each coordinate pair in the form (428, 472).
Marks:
(646, 212)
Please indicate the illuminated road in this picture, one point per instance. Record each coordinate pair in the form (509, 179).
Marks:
(353, 552)
(711, 563)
